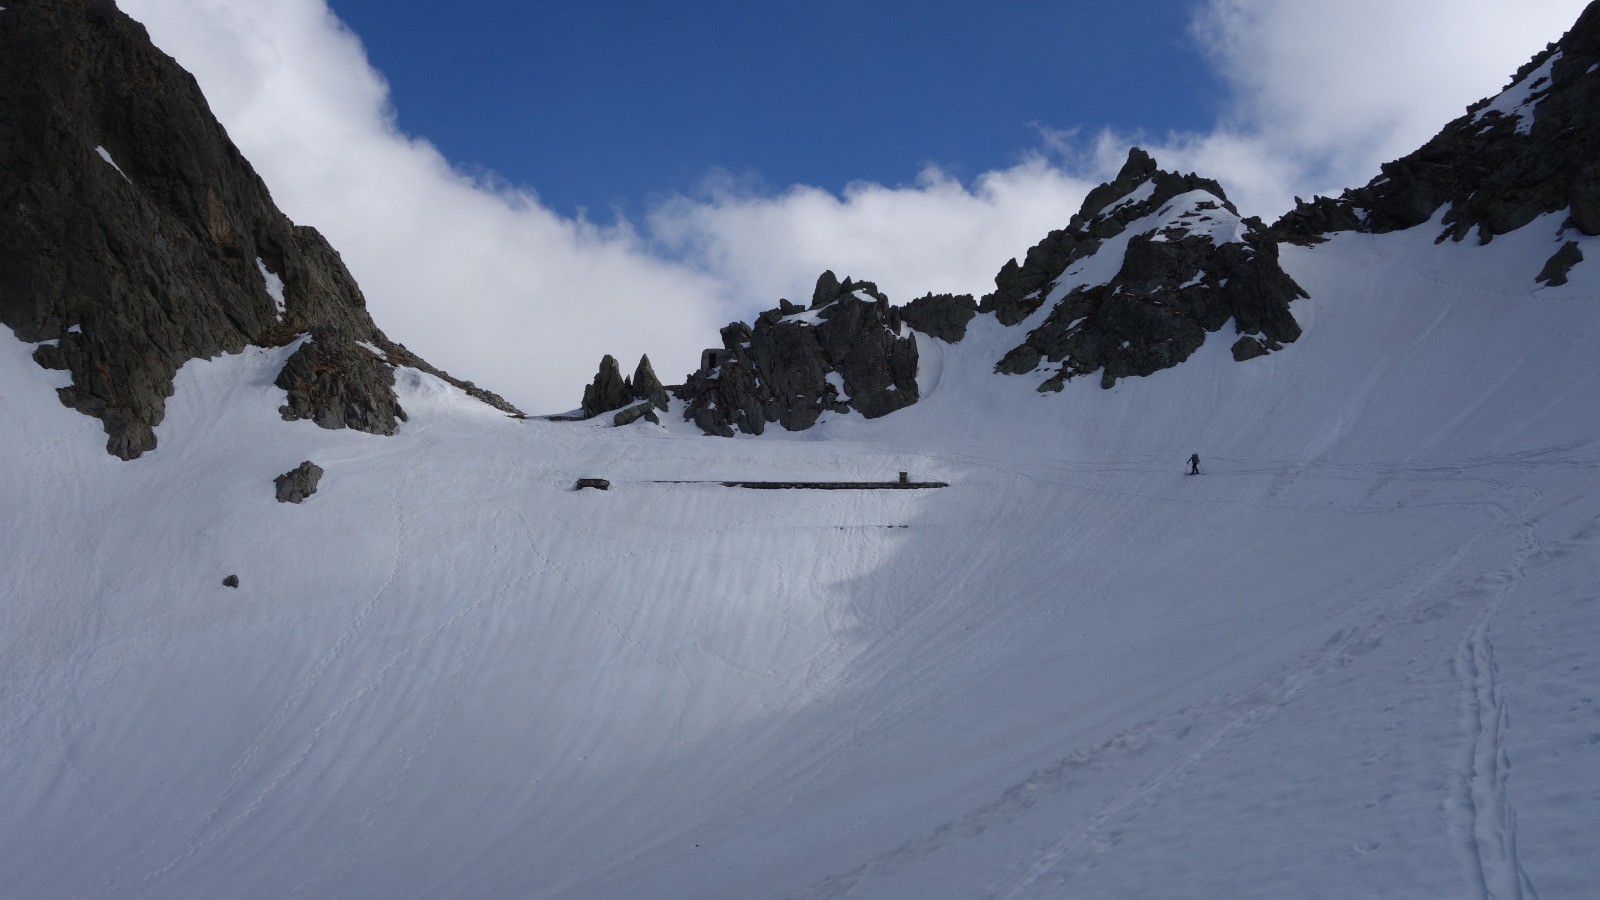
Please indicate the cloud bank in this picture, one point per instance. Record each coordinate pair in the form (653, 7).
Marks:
(483, 280)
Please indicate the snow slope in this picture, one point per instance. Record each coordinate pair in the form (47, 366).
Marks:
(1074, 672)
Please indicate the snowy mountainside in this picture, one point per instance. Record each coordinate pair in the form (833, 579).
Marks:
(1145, 278)
(1354, 658)
(1073, 670)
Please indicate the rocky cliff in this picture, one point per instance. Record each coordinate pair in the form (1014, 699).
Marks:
(1152, 263)
(847, 350)
(1533, 149)
(135, 237)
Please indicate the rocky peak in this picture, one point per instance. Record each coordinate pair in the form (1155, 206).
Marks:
(846, 351)
(1531, 150)
(1152, 263)
(646, 386)
(135, 237)
(1139, 189)
(608, 391)
(611, 391)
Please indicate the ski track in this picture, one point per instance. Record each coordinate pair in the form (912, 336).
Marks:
(1241, 710)
(1480, 815)
(1478, 812)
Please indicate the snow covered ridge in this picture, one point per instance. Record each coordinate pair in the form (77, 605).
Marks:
(1155, 261)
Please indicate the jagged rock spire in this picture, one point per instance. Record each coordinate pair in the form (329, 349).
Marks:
(646, 386)
(608, 391)
(845, 352)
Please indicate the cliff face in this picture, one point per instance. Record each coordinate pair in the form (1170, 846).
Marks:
(846, 351)
(134, 236)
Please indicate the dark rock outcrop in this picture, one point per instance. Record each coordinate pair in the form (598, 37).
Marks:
(631, 414)
(1532, 150)
(295, 485)
(337, 383)
(608, 391)
(132, 230)
(231, 581)
(646, 386)
(1557, 266)
(944, 316)
(1019, 290)
(844, 352)
(1193, 266)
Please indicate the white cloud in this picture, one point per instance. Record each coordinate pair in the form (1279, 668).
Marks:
(935, 235)
(484, 281)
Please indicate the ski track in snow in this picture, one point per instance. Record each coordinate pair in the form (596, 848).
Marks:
(1481, 817)
(1487, 820)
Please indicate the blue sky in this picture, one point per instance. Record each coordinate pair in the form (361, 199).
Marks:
(520, 188)
(607, 102)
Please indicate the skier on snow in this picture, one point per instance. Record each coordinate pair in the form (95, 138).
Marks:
(1194, 464)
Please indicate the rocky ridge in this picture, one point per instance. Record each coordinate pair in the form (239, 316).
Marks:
(1532, 150)
(1152, 263)
(135, 237)
(1188, 266)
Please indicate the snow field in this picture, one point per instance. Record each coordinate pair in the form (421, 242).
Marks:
(1353, 659)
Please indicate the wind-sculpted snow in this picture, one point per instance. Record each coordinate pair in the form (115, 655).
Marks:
(1355, 658)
